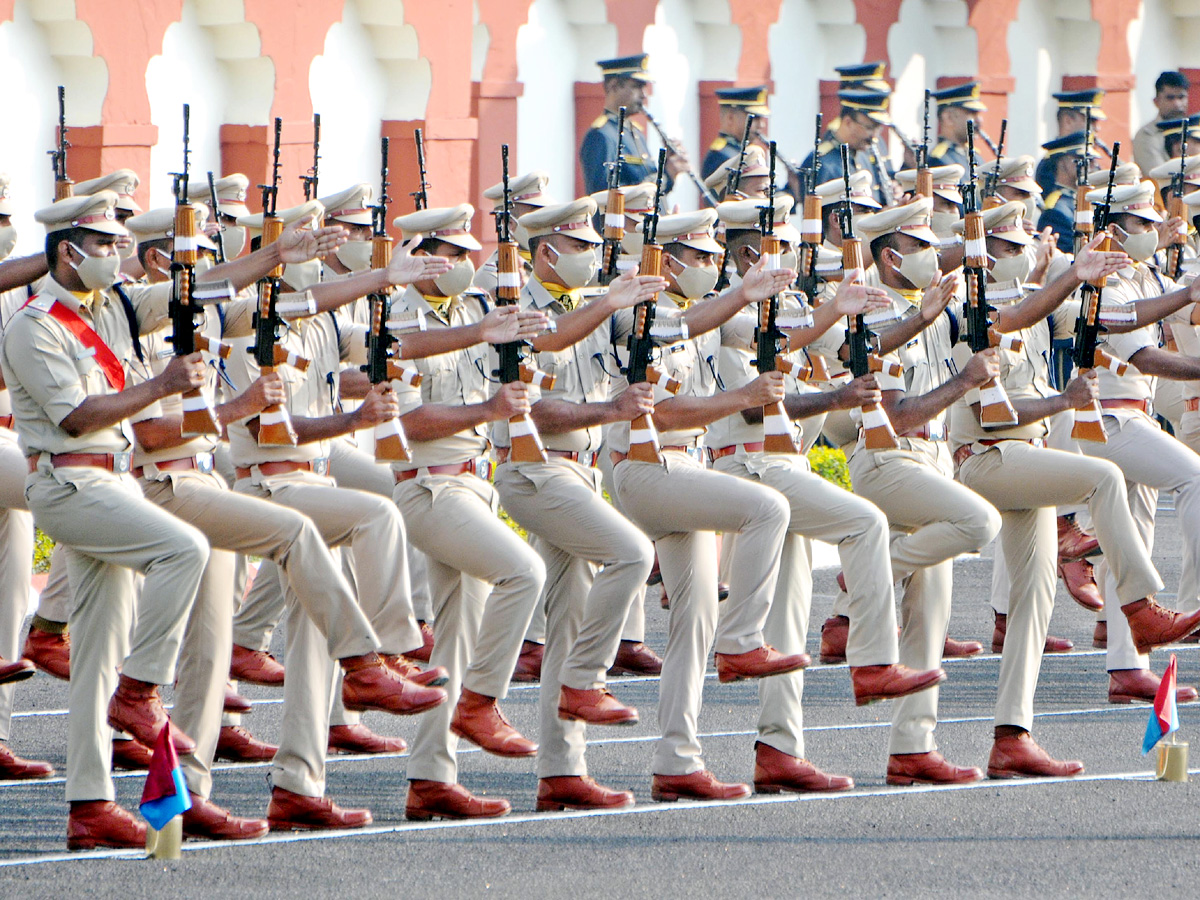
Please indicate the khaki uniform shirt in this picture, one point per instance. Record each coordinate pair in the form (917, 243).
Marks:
(1123, 290)
(927, 359)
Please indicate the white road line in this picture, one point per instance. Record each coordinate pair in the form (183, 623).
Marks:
(544, 818)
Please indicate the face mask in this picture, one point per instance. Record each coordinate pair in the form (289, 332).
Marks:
(1011, 268)
(575, 270)
(97, 272)
(521, 236)
(942, 224)
(355, 255)
(1031, 209)
(203, 264)
(8, 240)
(695, 281)
(789, 259)
(127, 251)
(1140, 247)
(919, 268)
(458, 279)
(235, 241)
(632, 243)
(302, 276)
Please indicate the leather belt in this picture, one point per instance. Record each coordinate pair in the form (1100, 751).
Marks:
(964, 452)
(319, 466)
(618, 457)
(111, 462)
(926, 432)
(583, 457)
(716, 453)
(6, 421)
(1143, 405)
(1191, 404)
(471, 465)
(203, 462)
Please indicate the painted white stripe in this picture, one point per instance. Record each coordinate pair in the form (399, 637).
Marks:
(390, 428)
(508, 279)
(273, 418)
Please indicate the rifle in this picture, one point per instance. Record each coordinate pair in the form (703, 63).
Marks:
(924, 176)
(992, 179)
(1083, 209)
(768, 339)
(526, 444)
(670, 145)
(732, 184)
(274, 423)
(1174, 267)
(885, 180)
(811, 226)
(391, 444)
(216, 211)
(1085, 354)
(58, 156)
(421, 194)
(199, 417)
(309, 179)
(987, 140)
(643, 437)
(995, 408)
(878, 433)
(614, 206)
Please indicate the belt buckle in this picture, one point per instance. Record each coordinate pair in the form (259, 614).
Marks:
(204, 463)
(122, 462)
(481, 467)
(698, 454)
(937, 431)
(320, 465)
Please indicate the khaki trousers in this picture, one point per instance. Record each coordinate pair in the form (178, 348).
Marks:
(16, 555)
(109, 531)
(826, 512)
(1026, 483)
(485, 582)
(936, 520)
(596, 565)
(680, 505)
(54, 603)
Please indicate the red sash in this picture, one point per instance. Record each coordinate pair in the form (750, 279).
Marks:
(114, 371)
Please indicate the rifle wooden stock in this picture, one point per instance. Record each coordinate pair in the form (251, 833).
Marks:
(524, 441)
(274, 424)
(212, 346)
(614, 232)
(995, 409)
(1088, 422)
(1174, 261)
(810, 224)
(271, 230)
(63, 188)
(391, 443)
(925, 182)
(199, 417)
(777, 426)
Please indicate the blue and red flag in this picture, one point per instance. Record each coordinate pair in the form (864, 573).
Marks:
(165, 795)
(1164, 717)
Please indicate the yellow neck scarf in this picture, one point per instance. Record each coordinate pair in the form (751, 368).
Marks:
(913, 296)
(567, 298)
(440, 304)
(680, 301)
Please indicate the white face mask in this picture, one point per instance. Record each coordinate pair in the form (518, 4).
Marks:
(8, 240)
(695, 281)
(1011, 268)
(632, 243)
(1031, 209)
(355, 255)
(919, 268)
(574, 270)
(1141, 246)
(235, 241)
(458, 279)
(789, 259)
(942, 224)
(97, 272)
(302, 276)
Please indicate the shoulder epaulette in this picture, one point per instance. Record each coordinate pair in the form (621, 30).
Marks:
(480, 296)
(1052, 199)
(718, 144)
(942, 148)
(40, 304)
(826, 146)
(601, 121)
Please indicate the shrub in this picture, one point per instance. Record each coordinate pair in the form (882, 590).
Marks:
(830, 464)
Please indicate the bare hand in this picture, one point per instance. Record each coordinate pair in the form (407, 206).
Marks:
(300, 242)
(766, 388)
(1091, 264)
(265, 392)
(506, 324)
(634, 401)
(405, 268)
(1169, 231)
(862, 391)
(1083, 389)
(379, 406)
(938, 297)
(855, 299)
(982, 367)
(629, 289)
(183, 373)
(761, 283)
(511, 400)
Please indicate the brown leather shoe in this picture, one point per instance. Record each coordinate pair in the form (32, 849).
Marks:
(578, 792)
(1100, 636)
(422, 653)
(477, 718)
(1080, 579)
(130, 755)
(136, 709)
(361, 739)
(15, 671)
(235, 703)
(1073, 543)
(701, 785)
(1019, 756)
(101, 823)
(1141, 686)
(635, 658)
(761, 662)
(439, 800)
(209, 822)
(873, 683)
(928, 768)
(529, 663)
(596, 707)
(368, 684)
(236, 744)
(49, 652)
(776, 771)
(955, 649)
(14, 768)
(1153, 625)
(255, 666)
(834, 633)
(410, 671)
(289, 811)
(1053, 644)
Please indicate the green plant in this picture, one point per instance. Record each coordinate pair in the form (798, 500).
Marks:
(42, 547)
(830, 464)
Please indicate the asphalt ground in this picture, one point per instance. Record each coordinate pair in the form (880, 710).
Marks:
(1113, 832)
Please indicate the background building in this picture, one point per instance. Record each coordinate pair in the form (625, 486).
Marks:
(476, 73)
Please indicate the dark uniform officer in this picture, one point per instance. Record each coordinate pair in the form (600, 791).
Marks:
(1059, 212)
(600, 143)
(857, 105)
(734, 105)
(1073, 107)
(951, 148)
